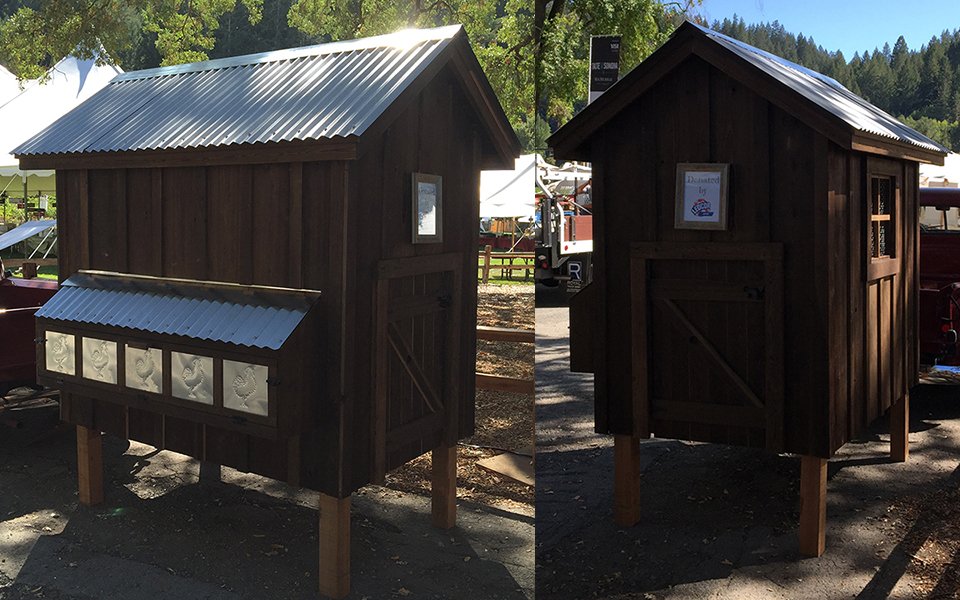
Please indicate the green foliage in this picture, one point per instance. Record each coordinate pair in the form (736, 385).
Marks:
(562, 47)
(31, 38)
(185, 28)
(499, 32)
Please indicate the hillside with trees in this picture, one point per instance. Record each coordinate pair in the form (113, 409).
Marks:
(919, 86)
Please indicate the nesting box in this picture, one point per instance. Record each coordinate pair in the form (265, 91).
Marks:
(287, 243)
(755, 267)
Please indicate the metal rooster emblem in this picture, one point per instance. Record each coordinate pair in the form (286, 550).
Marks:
(245, 385)
(144, 368)
(59, 351)
(100, 359)
(193, 377)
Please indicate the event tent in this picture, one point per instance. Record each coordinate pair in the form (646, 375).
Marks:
(69, 82)
(9, 86)
(507, 194)
(947, 175)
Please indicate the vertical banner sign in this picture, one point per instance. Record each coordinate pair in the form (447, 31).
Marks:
(604, 63)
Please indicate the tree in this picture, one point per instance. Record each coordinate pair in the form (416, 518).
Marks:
(561, 44)
(32, 38)
(500, 33)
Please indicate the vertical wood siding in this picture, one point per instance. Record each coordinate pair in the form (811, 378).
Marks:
(849, 344)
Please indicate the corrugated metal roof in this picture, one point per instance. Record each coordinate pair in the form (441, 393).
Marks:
(826, 93)
(327, 91)
(252, 316)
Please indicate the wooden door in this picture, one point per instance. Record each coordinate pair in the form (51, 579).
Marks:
(417, 357)
(707, 342)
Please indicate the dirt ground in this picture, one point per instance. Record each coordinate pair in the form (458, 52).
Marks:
(504, 421)
(161, 533)
(720, 522)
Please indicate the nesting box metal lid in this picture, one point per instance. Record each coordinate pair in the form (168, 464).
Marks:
(250, 316)
(207, 352)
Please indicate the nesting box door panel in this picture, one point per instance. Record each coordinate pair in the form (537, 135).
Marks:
(707, 342)
(416, 345)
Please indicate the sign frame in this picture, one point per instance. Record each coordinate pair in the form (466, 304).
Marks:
(421, 203)
(713, 194)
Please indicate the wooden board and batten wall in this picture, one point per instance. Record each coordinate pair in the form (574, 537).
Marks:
(788, 330)
(396, 336)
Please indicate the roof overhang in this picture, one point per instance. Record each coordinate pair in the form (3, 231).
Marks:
(270, 152)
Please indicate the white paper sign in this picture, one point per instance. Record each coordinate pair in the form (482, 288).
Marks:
(701, 197)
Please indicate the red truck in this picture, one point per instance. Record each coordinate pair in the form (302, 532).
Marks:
(939, 317)
(19, 299)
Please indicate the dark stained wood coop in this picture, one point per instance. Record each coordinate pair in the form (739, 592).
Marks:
(269, 262)
(755, 276)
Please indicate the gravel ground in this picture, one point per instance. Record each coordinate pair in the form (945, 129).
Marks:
(162, 534)
(720, 521)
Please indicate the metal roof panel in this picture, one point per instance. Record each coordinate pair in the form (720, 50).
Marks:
(241, 315)
(318, 92)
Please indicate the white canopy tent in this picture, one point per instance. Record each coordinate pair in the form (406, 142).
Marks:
(509, 194)
(946, 176)
(9, 86)
(70, 82)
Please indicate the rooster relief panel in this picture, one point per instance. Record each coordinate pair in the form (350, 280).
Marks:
(191, 377)
(144, 368)
(245, 387)
(61, 355)
(99, 360)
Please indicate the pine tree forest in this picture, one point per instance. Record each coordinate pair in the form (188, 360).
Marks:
(921, 86)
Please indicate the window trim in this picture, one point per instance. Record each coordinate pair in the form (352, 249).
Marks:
(886, 266)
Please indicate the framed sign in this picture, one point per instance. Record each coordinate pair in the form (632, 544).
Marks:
(427, 208)
(701, 201)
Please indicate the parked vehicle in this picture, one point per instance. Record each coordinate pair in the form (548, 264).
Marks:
(19, 300)
(939, 318)
(564, 253)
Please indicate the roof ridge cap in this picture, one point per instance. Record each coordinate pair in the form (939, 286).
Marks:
(405, 38)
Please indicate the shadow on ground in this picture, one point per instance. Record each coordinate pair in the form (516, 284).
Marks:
(161, 534)
(720, 521)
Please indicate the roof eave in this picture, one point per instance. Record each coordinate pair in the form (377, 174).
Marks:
(865, 142)
(322, 149)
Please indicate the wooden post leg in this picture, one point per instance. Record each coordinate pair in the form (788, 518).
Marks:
(209, 472)
(900, 430)
(89, 465)
(813, 505)
(444, 485)
(334, 546)
(626, 480)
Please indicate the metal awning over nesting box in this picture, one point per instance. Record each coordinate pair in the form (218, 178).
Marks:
(215, 352)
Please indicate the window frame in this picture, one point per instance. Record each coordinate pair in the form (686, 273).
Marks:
(879, 267)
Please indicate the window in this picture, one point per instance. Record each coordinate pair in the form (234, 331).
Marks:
(883, 238)
(935, 219)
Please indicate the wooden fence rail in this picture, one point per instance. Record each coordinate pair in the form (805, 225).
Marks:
(506, 264)
(498, 382)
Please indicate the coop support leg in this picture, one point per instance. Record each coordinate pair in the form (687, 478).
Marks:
(89, 465)
(210, 472)
(900, 430)
(334, 546)
(813, 505)
(626, 480)
(444, 487)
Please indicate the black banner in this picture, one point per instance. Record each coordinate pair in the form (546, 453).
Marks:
(604, 63)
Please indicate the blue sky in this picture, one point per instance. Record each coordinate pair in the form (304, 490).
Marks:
(847, 25)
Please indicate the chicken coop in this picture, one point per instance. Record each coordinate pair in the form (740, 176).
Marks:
(755, 267)
(269, 262)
